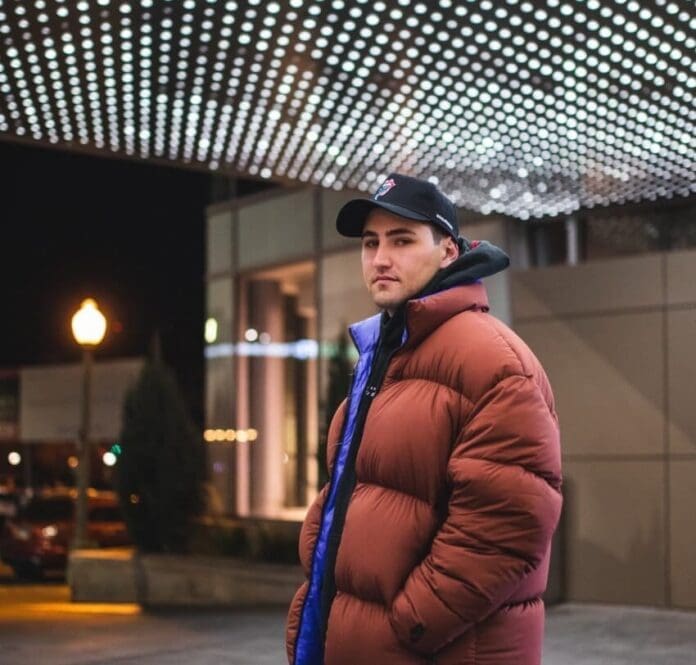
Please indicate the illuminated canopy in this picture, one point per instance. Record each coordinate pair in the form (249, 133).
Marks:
(524, 108)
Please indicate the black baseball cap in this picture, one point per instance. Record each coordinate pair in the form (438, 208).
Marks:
(407, 197)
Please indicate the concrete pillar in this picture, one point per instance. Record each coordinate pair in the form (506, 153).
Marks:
(572, 241)
(266, 402)
(243, 476)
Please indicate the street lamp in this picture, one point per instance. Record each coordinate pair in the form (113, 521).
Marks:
(88, 327)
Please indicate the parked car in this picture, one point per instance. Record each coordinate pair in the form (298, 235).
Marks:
(8, 504)
(39, 537)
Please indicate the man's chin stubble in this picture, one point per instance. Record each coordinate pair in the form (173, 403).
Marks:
(388, 303)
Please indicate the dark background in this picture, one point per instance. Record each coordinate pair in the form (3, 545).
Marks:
(129, 234)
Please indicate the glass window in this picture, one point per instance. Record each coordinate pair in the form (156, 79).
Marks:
(276, 365)
(219, 308)
(219, 242)
(547, 242)
(331, 203)
(277, 229)
(220, 420)
(219, 393)
(642, 230)
(344, 296)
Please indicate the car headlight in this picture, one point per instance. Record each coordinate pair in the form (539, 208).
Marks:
(49, 532)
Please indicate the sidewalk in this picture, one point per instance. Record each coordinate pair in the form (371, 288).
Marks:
(56, 632)
(615, 635)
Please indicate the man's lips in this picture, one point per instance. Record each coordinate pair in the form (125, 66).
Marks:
(384, 278)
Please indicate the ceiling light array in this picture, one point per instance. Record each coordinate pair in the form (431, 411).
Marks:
(518, 107)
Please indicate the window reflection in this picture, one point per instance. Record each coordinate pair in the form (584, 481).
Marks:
(276, 361)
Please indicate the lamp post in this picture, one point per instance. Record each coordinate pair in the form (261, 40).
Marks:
(88, 327)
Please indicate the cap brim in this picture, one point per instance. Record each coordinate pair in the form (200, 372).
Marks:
(351, 217)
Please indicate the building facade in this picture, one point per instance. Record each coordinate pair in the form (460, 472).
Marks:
(40, 411)
(606, 299)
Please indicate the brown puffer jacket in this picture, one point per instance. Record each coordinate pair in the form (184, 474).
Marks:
(444, 552)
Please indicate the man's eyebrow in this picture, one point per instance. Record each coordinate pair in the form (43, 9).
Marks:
(393, 232)
(401, 231)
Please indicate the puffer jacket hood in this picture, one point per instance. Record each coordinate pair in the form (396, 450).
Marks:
(478, 259)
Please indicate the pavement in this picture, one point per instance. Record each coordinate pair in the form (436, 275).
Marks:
(40, 626)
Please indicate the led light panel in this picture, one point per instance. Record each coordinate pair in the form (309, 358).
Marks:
(518, 107)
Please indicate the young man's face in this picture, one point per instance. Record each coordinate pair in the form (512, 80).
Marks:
(399, 257)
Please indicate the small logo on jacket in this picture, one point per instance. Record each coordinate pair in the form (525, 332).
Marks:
(385, 187)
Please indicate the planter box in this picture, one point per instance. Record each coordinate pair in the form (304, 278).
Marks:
(104, 576)
(155, 580)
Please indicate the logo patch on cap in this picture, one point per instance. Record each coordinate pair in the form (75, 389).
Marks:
(384, 188)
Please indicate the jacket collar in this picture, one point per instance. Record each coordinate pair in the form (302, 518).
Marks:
(425, 314)
(365, 333)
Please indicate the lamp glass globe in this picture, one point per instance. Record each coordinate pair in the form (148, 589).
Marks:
(88, 324)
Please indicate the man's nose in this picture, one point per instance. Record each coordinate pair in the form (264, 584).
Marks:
(382, 256)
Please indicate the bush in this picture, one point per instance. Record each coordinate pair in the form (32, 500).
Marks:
(219, 538)
(161, 469)
(258, 540)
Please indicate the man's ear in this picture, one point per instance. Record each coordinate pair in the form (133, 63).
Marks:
(451, 252)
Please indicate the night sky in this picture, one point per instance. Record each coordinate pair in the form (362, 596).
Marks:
(127, 233)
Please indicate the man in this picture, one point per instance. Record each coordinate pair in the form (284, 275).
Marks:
(431, 541)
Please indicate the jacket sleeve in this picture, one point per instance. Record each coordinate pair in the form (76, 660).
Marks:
(504, 504)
